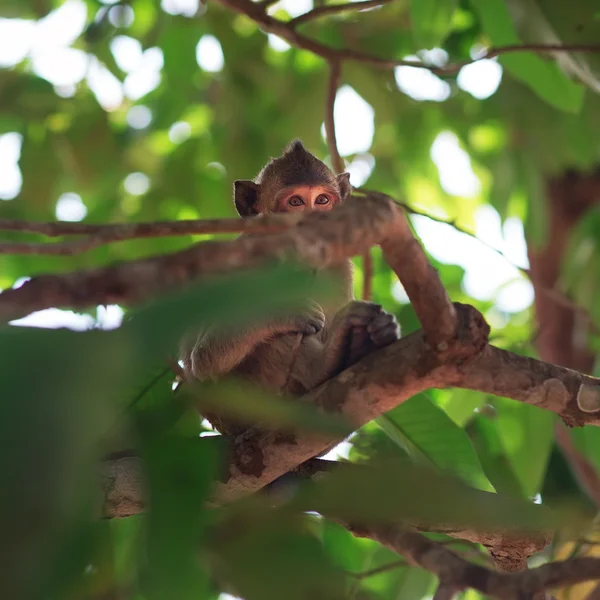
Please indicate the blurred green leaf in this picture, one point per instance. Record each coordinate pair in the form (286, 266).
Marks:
(179, 475)
(247, 404)
(543, 77)
(298, 567)
(430, 437)
(395, 490)
(563, 24)
(526, 435)
(432, 20)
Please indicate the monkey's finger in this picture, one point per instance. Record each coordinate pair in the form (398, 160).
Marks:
(386, 335)
(363, 314)
(381, 321)
(310, 324)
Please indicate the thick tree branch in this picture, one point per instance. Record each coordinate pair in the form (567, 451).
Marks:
(321, 240)
(375, 385)
(257, 13)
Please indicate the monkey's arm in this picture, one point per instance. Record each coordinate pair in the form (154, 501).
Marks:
(217, 351)
(357, 330)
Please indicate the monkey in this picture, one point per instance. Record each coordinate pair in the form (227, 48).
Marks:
(292, 353)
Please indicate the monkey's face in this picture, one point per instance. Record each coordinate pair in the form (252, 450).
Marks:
(305, 198)
(296, 181)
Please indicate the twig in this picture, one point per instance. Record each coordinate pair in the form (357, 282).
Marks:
(335, 71)
(322, 11)
(271, 25)
(336, 160)
(99, 235)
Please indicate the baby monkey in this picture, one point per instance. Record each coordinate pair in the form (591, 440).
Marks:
(293, 353)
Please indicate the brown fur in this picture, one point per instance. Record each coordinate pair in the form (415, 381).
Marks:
(295, 352)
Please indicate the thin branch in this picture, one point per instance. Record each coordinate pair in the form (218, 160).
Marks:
(282, 29)
(335, 71)
(331, 9)
(99, 235)
(454, 570)
(337, 161)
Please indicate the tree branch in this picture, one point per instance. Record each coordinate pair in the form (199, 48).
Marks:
(271, 25)
(99, 235)
(458, 572)
(322, 239)
(335, 71)
(373, 386)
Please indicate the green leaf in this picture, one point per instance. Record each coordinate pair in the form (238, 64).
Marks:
(179, 476)
(430, 437)
(543, 77)
(390, 489)
(557, 22)
(587, 441)
(59, 391)
(536, 223)
(248, 404)
(269, 555)
(460, 405)
(431, 21)
(526, 434)
(496, 464)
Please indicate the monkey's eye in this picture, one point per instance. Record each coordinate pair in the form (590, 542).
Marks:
(295, 201)
(322, 199)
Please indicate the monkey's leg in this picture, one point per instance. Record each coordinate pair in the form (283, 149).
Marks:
(217, 351)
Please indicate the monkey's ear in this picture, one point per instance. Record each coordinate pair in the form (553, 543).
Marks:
(245, 196)
(345, 188)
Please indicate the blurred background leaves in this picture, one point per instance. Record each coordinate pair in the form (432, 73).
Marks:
(136, 111)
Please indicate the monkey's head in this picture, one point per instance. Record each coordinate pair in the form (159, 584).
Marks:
(296, 180)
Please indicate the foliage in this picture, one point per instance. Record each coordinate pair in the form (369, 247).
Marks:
(69, 397)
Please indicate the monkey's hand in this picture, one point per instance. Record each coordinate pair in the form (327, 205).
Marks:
(359, 329)
(310, 321)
